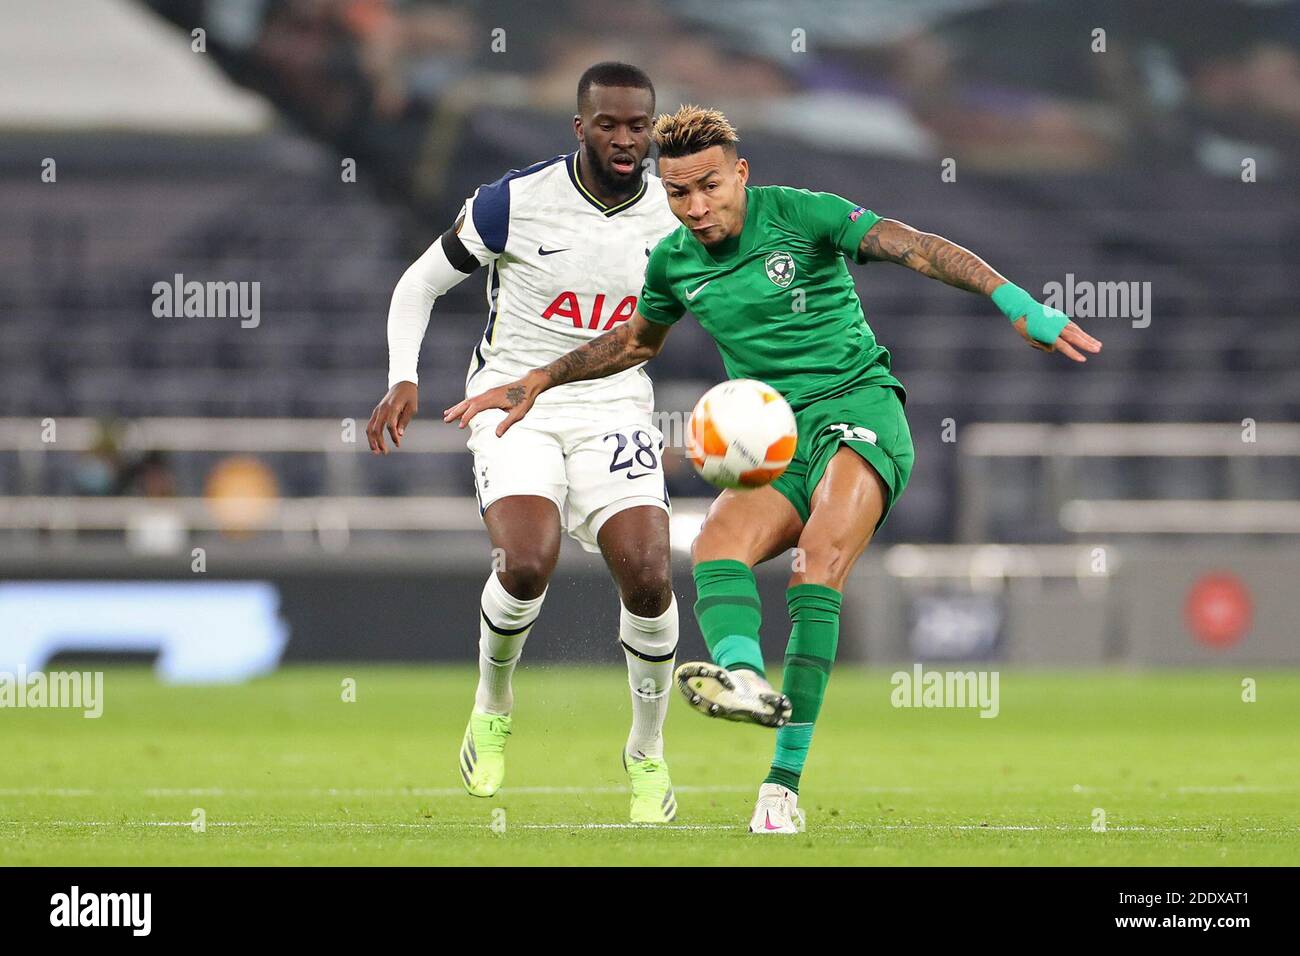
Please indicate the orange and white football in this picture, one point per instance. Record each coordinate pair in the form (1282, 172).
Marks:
(741, 434)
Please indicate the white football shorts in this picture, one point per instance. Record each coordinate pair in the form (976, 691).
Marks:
(592, 470)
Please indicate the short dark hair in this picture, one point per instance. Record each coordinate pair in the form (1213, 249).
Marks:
(611, 73)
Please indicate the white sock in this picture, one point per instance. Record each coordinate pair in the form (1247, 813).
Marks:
(504, 623)
(649, 644)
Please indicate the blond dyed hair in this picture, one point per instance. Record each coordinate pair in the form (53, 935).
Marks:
(693, 129)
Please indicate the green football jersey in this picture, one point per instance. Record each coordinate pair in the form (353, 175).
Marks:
(778, 299)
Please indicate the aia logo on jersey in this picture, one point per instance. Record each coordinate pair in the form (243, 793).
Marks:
(567, 305)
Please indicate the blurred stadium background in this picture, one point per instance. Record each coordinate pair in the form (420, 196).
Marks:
(200, 490)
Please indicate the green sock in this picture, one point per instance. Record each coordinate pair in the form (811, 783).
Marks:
(729, 612)
(814, 635)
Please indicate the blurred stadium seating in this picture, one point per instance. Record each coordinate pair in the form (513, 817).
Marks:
(226, 164)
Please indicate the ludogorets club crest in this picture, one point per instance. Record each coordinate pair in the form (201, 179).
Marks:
(780, 268)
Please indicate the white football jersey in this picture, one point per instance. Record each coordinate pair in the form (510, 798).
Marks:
(562, 269)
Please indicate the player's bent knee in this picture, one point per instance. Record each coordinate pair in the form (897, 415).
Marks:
(526, 575)
(647, 592)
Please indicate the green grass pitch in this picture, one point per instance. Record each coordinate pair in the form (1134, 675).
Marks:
(288, 773)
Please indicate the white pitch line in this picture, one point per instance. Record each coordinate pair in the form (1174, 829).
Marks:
(346, 791)
(166, 792)
(889, 826)
(411, 791)
(334, 791)
(833, 827)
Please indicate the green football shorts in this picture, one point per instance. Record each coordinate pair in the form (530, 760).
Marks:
(869, 420)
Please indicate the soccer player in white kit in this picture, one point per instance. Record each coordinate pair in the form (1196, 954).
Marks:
(565, 242)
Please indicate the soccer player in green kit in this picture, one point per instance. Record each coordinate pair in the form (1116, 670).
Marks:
(762, 269)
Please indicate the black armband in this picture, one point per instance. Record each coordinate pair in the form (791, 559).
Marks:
(461, 258)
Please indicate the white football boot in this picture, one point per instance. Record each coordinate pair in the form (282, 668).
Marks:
(777, 811)
(732, 695)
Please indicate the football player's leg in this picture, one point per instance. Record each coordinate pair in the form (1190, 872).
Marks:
(519, 480)
(618, 505)
(634, 543)
(846, 507)
(741, 529)
(525, 534)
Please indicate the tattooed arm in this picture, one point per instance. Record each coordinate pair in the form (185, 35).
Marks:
(1047, 329)
(892, 241)
(635, 341)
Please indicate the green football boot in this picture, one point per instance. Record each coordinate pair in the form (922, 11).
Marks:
(483, 753)
(653, 800)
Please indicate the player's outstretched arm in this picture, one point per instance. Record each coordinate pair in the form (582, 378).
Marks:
(1041, 326)
(443, 265)
(635, 341)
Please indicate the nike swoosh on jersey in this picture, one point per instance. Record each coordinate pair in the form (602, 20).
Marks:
(549, 252)
(692, 294)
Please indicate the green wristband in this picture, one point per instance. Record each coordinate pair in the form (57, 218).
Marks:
(1042, 323)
